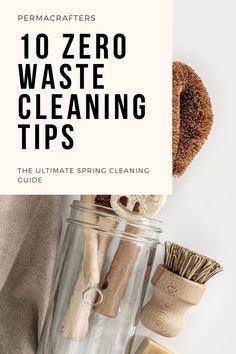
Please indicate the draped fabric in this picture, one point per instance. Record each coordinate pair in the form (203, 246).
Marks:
(30, 227)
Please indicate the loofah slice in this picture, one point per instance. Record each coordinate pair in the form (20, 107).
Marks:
(192, 116)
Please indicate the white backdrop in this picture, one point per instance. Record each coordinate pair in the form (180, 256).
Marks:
(201, 212)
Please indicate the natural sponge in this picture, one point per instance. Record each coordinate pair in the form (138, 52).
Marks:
(192, 116)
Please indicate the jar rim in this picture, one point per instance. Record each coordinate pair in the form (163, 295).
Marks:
(146, 224)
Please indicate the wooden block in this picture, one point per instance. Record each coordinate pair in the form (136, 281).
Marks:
(148, 346)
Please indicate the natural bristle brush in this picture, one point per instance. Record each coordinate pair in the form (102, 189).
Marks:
(177, 285)
(189, 264)
(192, 116)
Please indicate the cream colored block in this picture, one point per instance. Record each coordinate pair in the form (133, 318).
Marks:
(148, 346)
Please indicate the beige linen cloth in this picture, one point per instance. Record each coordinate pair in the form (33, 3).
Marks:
(30, 227)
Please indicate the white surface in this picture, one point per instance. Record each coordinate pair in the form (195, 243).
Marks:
(201, 212)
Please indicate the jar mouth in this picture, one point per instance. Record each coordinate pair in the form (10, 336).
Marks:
(150, 226)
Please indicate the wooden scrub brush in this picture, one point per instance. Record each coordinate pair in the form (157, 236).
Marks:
(177, 285)
(192, 116)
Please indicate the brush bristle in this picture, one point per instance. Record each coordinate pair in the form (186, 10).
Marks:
(192, 116)
(189, 264)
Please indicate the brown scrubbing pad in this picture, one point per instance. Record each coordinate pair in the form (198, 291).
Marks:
(192, 116)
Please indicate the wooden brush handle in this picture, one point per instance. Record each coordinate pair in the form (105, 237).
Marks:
(117, 278)
(172, 296)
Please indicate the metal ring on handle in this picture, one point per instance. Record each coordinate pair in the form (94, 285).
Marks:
(99, 297)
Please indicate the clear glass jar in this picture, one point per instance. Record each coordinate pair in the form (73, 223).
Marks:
(101, 276)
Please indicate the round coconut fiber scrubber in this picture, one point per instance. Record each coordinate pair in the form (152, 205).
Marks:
(192, 116)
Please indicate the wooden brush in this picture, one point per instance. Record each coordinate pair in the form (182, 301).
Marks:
(177, 285)
(192, 116)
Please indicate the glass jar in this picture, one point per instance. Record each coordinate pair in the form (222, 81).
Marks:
(101, 276)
